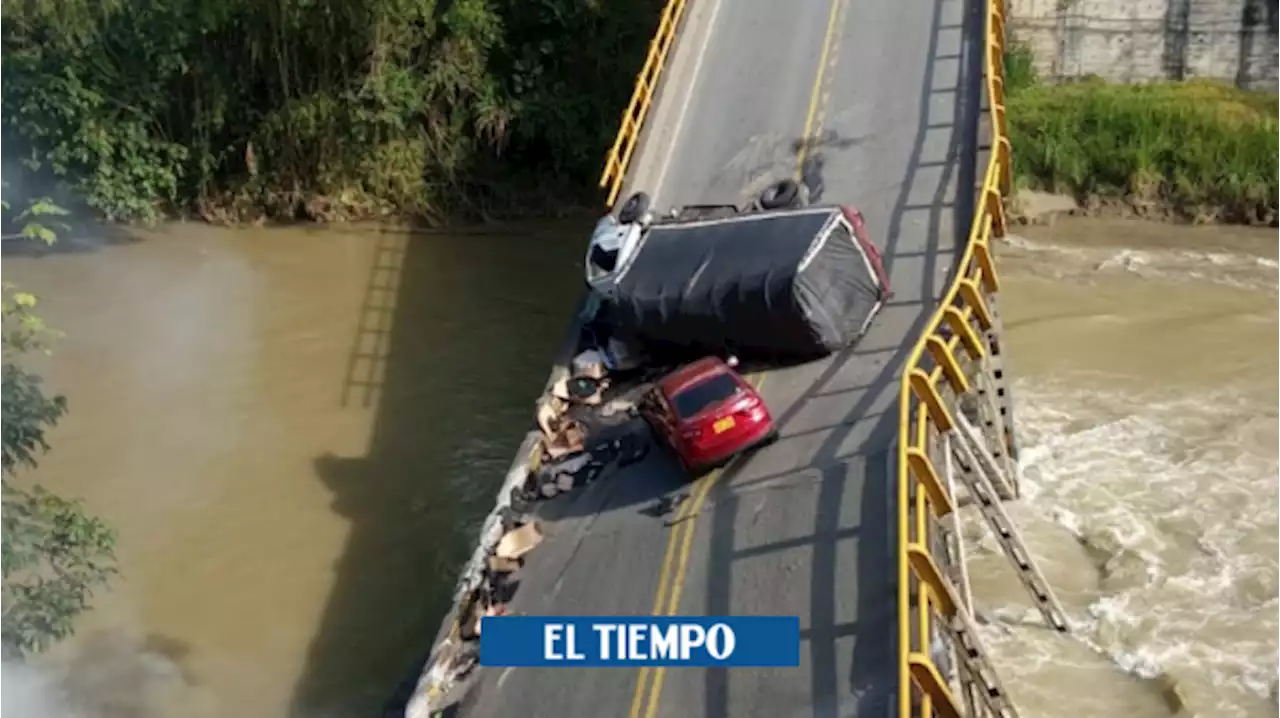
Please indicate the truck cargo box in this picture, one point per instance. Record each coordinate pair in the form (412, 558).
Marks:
(785, 283)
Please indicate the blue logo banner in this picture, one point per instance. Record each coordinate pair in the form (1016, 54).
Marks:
(624, 641)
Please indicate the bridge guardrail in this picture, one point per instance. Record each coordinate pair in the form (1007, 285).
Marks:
(932, 370)
(933, 360)
(624, 145)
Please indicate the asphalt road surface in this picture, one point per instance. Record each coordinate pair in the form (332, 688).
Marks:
(876, 104)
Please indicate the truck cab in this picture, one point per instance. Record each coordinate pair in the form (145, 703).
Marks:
(612, 244)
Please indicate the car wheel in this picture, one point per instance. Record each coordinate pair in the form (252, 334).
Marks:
(770, 438)
(783, 194)
(634, 208)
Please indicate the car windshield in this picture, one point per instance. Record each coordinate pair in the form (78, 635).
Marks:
(697, 398)
(604, 259)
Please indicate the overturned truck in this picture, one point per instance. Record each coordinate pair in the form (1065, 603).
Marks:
(792, 283)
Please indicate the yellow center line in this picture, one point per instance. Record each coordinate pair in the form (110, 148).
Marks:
(683, 525)
(816, 97)
(637, 700)
(686, 520)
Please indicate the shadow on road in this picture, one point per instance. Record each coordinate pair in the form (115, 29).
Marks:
(869, 687)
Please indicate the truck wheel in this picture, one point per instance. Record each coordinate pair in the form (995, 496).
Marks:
(783, 194)
(634, 208)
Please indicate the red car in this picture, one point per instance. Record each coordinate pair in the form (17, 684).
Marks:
(707, 413)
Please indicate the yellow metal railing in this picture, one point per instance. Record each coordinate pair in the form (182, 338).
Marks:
(923, 690)
(615, 165)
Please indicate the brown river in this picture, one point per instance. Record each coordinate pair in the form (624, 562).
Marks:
(298, 431)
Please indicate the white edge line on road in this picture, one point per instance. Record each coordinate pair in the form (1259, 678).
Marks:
(684, 102)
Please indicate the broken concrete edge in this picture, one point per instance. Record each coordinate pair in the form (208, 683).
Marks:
(438, 676)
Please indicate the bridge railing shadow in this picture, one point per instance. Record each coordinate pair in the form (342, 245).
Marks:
(871, 685)
(456, 343)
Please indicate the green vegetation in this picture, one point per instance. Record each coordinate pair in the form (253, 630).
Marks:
(1193, 150)
(54, 555)
(317, 108)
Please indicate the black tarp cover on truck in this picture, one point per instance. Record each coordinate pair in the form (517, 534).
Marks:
(780, 283)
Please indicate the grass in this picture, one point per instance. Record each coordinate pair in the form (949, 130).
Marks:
(1192, 150)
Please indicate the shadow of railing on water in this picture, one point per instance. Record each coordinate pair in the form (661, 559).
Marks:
(451, 368)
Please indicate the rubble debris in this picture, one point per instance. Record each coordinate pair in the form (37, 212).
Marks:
(620, 356)
(621, 404)
(500, 519)
(590, 363)
(485, 587)
(548, 413)
(547, 482)
(568, 440)
(501, 564)
(665, 505)
(520, 541)
(561, 434)
(556, 460)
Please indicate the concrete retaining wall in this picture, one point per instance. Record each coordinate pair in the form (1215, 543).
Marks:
(1145, 40)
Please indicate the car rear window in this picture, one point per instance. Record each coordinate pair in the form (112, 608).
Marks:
(696, 398)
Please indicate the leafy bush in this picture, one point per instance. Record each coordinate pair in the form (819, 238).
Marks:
(54, 555)
(421, 106)
(1198, 149)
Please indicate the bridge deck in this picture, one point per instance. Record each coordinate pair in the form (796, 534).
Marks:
(806, 526)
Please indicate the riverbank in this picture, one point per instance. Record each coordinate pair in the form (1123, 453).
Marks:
(1195, 151)
(138, 110)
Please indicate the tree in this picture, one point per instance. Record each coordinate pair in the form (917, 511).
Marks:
(54, 555)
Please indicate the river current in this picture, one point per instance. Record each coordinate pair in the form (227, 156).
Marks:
(297, 431)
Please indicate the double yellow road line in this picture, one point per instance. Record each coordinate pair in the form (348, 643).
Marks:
(821, 93)
(666, 602)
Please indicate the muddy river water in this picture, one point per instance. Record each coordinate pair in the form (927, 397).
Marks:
(297, 431)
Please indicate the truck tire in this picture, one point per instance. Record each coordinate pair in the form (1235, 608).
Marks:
(783, 194)
(636, 206)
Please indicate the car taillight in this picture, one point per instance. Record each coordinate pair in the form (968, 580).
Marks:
(751, 408)
(872, 251)
(855, 219)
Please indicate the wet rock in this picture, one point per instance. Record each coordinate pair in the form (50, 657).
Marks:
(1169, 690)
(1032, 207)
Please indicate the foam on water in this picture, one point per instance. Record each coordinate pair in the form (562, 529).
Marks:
(1233, 269)
(1148, 435)
(1174, 497)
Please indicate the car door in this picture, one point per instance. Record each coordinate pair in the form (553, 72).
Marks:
(667, 420)
(651, 410)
